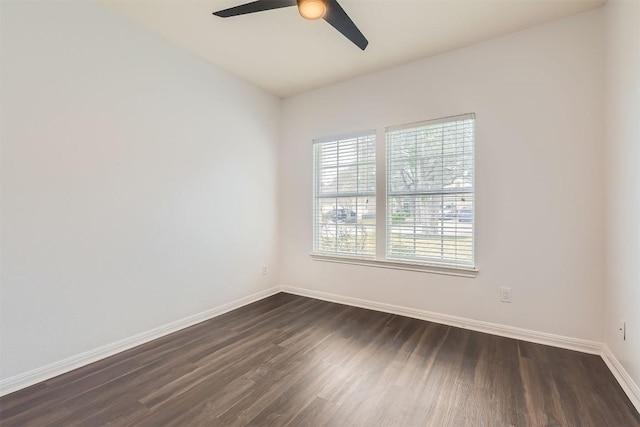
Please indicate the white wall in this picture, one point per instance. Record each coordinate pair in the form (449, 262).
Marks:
(138, 183)
(538, 97)
(127, 166)
(623, 182)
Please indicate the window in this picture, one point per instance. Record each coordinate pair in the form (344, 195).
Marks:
(345, 195)
(429, 203)
(430, 192)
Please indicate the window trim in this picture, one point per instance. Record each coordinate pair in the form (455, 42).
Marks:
(435, 268)
(431, 262)
(315, 193)
(381, 258)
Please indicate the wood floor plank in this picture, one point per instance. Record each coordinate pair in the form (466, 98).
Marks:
(294, 361)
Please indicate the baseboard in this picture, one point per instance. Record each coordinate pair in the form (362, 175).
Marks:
(624, 379)
(44, 373)
(626, 382)
(569, 343)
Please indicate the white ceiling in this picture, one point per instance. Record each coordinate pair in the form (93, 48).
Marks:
(284, 54)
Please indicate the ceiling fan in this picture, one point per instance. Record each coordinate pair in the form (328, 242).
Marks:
(330, 10)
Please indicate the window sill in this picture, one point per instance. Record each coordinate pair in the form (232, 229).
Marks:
(397, 265)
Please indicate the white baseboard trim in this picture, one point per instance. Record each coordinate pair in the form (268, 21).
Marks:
(15, 383)
(626, 382)
(44, 373)
(569, 343)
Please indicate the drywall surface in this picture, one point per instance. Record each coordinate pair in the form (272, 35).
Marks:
(138, 183)
(538, 98)
(623, 182)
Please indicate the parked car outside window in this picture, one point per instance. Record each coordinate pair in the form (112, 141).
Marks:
(465, 214)
(343, 216)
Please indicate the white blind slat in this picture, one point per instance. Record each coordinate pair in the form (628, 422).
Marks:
(344, 195)
(430, 191)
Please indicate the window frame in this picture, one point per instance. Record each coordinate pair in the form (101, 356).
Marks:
(316, 193)
(434, 192)
(381, 258)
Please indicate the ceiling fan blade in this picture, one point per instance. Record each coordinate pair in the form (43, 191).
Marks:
(256, 6)
(338, 18)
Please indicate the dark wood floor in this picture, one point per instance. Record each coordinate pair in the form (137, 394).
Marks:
(289, 360)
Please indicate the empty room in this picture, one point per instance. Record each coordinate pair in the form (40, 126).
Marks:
(320, 213)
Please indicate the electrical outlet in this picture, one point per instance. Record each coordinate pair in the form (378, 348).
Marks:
(623, 330)
(505, 294)
(264, 270)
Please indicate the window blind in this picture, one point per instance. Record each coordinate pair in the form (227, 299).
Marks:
(345, 195)
(430, 192)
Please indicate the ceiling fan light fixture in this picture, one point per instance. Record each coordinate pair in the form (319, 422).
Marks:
(312, 9)
(330, 10)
